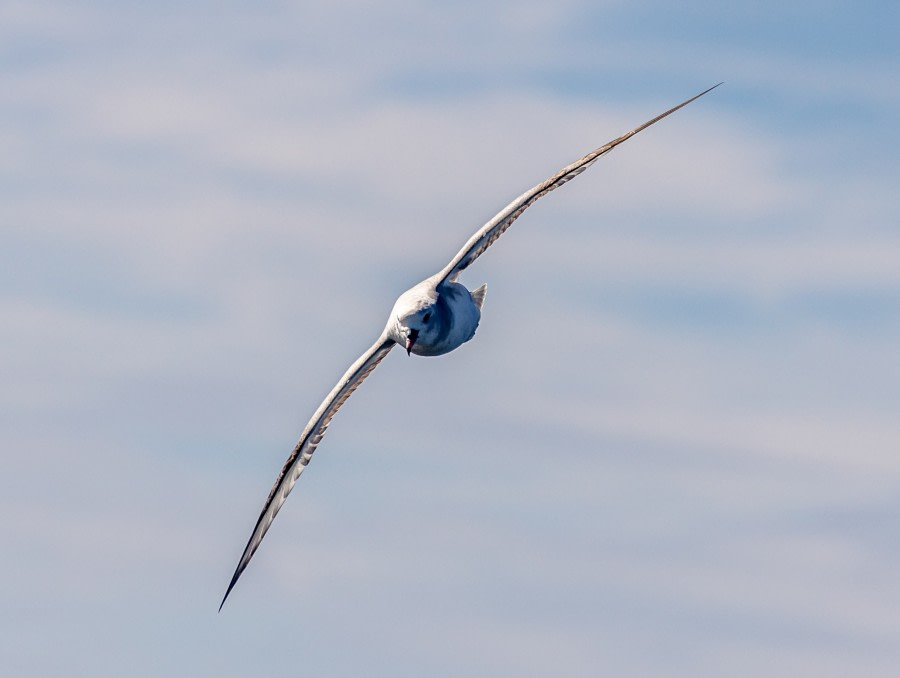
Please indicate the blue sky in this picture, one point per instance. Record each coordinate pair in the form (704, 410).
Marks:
(672, 448)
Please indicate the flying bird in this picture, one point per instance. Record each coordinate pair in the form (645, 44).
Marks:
(432, 318)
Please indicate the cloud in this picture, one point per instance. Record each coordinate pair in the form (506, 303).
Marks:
(675, 428)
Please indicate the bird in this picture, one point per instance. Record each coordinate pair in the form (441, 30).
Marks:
(432, 318)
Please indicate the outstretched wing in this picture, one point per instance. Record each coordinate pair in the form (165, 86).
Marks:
(305, 447)
(493, 229)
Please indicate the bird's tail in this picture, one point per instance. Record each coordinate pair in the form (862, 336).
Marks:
(478, 295)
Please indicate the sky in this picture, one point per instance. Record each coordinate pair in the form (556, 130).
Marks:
(671, 449)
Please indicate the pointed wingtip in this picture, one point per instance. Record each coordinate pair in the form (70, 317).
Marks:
(230, 586)
(706, 91)
(695, 97)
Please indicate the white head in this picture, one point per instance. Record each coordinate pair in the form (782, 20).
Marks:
(414, 321)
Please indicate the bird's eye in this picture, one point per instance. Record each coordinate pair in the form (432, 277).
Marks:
(426, 317)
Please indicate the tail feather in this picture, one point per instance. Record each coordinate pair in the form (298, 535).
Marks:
(478, 295)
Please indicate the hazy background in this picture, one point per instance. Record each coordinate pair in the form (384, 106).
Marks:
(672, 449)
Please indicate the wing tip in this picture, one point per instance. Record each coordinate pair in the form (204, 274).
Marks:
(228, 591)
(694, 98)
(234, 579)
(710, 89)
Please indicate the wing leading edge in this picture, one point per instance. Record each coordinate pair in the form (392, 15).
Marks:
(305, 447)
(488, 234)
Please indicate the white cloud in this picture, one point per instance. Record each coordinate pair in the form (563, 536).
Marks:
(682, 396)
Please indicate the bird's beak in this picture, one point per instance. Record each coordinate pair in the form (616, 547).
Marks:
(410, 340)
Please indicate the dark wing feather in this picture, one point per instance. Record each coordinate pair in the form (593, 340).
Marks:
(305, 447)
(492, 230)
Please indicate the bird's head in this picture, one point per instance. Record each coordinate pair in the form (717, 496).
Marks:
(413, 322)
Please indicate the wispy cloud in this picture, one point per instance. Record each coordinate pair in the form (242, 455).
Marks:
(675, 428)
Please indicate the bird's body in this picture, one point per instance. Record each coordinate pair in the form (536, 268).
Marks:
(435, 317)
(432, 318)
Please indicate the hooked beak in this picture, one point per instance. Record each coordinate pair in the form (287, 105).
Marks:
(411, 337)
